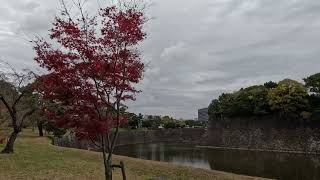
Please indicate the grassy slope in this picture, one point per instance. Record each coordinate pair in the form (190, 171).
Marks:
(35, 158)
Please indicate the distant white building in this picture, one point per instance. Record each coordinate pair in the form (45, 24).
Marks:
(203, 114)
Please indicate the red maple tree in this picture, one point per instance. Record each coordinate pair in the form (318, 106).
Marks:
(93, 65)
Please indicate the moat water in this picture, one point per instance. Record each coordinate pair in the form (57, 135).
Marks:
(262, 164)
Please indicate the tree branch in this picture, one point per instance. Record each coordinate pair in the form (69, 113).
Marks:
(18, 99)
(29, 113)
(117, 129)
(65, 10)
(7, 106)
(98, 146)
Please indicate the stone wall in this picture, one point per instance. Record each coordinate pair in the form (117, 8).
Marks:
(264, 133)
(186, 136)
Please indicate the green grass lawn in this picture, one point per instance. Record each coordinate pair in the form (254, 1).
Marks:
(35, 158)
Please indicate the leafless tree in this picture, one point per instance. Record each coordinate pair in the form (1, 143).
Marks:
(15, 93)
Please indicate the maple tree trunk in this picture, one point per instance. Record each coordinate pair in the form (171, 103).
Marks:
(9, 147)
(107, 161)
(109, 167)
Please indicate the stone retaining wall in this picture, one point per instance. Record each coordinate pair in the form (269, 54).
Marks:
(264, 133)
(186, 136)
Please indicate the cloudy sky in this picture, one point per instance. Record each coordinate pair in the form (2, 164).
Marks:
(196, 48)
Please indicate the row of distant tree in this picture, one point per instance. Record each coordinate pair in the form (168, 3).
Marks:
(287, 99)
(135, 121)
(155, 122)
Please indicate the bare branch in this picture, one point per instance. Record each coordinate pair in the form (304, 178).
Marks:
(94, 142)
(27, 114)
(65, 10)
(7, 106)
(18, 99)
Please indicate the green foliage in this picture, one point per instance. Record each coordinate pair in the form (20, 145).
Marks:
(289, 98)
(151, 122)
(214, 109)
(34, 100)
(245, 102)
(181, 124)
(147, 123)
(135, 121)
(250, 101)
(156, 121)
(170, 125)
(270, 85)
(167, 121)
(193, 123)
(226, 101)
(39, 117)
(221, 106)
(313, 83)
(52, 127)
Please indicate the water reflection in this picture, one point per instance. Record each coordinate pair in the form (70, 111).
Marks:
(262, 164)
(177, 154)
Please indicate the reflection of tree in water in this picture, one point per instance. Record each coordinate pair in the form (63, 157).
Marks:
(263, 164)
(168, 153)
(266, 164)
(176, 153)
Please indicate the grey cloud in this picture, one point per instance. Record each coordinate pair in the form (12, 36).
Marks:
(196, 49)
(241, 45)
(27, 6)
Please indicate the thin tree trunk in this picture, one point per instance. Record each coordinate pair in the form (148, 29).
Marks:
(40, 128)
(107, 161)
(109, 167)
(9, 147)
(105, 164)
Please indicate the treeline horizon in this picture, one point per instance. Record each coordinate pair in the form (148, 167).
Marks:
(287, 99)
